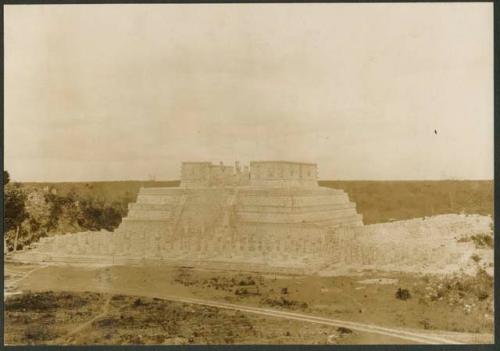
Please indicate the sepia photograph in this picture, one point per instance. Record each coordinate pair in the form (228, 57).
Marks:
(248, 174)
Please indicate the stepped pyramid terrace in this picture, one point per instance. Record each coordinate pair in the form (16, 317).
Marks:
(271, 216)
(262, 214)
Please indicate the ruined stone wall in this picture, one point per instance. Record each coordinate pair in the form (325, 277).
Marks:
(241, 176)
(206, 174)
(221, 175)
(195, 174)
(418, 242)
(283, 174)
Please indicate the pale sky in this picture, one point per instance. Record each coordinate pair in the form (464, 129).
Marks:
(117, 92)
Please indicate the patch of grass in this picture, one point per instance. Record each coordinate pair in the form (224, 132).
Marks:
(384, 201)
(36, 302)
(247, 281)
(248, 291)
(284, 302)
(37, 333)
(457, 288)
(426, 324)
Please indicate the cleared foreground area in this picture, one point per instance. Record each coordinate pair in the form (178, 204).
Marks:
(276, 309)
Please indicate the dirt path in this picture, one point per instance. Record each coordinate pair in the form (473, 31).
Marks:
(25, 275)
(397, 333)
(10, 285)
(413, 336)
(104, 312)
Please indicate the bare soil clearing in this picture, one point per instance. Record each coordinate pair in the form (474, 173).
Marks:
(52, 317)
(426, 311)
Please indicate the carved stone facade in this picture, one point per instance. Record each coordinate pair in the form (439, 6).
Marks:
(283, 173)
(206, 174)
(278, 247)
(260, 173)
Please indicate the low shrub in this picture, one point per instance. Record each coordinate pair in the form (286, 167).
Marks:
(482, 240)
(454, 289)
(37, 333)
(247, 281)
(403, 294)
(284, 302)
(344, 330)
(36, 302)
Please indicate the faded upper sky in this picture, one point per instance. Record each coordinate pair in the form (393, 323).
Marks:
(115, 92)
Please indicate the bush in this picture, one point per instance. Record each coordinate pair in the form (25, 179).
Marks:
(35, 302)
(482, 240)
(426, 324)
(138, 302)
(403, 294)
(476, 258)
(37, 333)
(456, 288)
(247, 291)
(343, 330)
(246, 281)
(284, 302)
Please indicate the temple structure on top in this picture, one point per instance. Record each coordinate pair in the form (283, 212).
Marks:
(206, 174)
(283, 174)
(260, 173)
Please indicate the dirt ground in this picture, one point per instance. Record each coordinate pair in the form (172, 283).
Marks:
(457, 306)
(57, 317)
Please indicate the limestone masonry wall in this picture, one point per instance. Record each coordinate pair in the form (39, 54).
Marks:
(419, 243)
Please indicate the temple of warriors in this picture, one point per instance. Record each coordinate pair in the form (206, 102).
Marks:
(270, 213)
(268, 216)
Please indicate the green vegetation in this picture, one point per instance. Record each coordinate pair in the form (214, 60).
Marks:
(6, 177)
(35, 210)
(15, 212)
(131, 320)
(41, 317)
(284, 302)
(482, 240)
(453, 302)
(472, 294)
(384, 201)
(109, 192)
(403, 294)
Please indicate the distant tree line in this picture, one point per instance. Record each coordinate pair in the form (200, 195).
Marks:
(385, 201)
